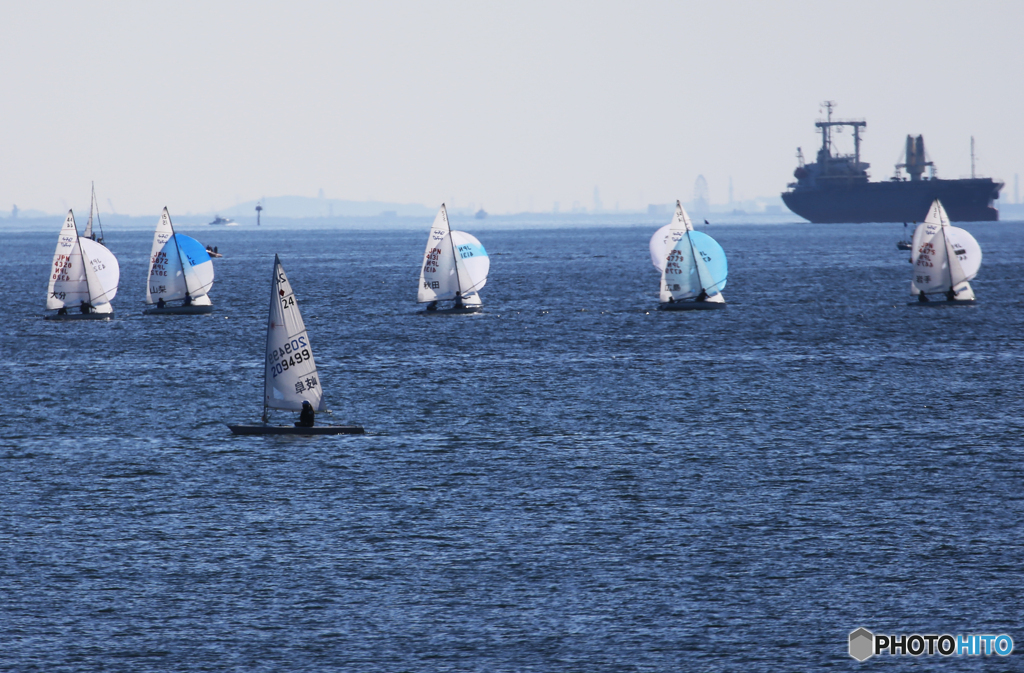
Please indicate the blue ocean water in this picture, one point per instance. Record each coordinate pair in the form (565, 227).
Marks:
(569, 481)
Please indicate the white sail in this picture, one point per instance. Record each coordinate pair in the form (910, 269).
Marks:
(68, 285)
(290, 377)
(435, 284)
(178, 264)
(944, 257)
(665, 239)
(102, 273)
(471, 261)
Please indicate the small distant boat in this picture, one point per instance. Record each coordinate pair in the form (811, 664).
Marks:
(226, 221)
(94, 206)
(455, 267)
(180, 269)
(212, 252)
(903, 244)
(692, 264)
(290, 375)
(83, 277)
(481, 214)
(945, 258)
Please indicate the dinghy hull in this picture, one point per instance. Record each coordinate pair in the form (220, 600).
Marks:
(179, 310)
(81, 316)
(945, 302)
(265, 429)
(691, 305)
(453, 311)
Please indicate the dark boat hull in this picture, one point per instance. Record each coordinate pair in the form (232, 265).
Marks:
(691, 305)
(453, 311)
(968, 200)
(180, 310)
(81, 316)
(264, 429)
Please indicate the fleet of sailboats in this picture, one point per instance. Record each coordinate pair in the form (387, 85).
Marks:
(945, 259)
(180, 270)
(454, 268)
(83, 277)
(290, 376)
(692, 265)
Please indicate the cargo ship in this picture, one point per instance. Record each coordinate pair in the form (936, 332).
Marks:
(835, 188)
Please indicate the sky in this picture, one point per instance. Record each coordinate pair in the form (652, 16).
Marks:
(513, 106)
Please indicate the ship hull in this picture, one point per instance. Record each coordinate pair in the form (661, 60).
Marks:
(968, 200)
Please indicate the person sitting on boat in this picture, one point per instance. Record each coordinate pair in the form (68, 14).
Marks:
(306, 417)
(703, 296)
(458, 300)
(160, 303)
(86, 307)
(63, 310)
(950, 295)
(432, 306)
(922, 298)
(188, 300)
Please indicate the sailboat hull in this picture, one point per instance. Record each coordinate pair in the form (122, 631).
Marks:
(266, 429)
(179, 310)
(81, 316)
(453, 311)
(934, 303)
(691, 305)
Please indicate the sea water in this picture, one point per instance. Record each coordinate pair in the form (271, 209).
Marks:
(567, 481)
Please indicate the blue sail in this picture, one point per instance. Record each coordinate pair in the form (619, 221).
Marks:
(712, 266)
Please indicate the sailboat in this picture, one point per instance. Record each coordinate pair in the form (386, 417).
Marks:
(290, 376)
(692, 264)
(903, 243)
(455, 267)
(180, 269)
(94, 207)
(945, 259)
(83, 277)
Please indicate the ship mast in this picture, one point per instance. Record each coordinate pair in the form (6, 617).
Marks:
(826, 133)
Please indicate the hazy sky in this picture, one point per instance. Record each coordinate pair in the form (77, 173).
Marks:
(513, 105)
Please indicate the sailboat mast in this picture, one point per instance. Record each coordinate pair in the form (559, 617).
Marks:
(455, 256)
(266, 348)
(184, 276)
(695, 264)
(97, 204)
(85, 260)
(949, 260)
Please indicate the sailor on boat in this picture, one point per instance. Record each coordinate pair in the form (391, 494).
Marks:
(160, 303)
(458, 300)
(86, 307)
(307, 417)
(188, 300)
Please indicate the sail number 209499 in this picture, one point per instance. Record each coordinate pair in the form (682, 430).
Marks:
(289, 355)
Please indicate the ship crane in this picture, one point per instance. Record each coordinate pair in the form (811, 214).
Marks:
(916, 159)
